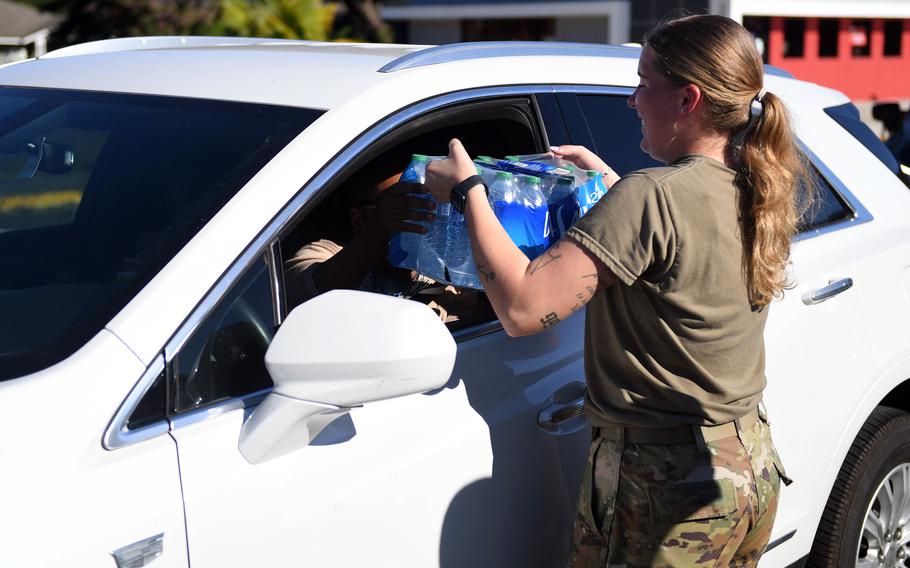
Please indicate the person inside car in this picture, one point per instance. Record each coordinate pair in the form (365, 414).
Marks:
(375, 206)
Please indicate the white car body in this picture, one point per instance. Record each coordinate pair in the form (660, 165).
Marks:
(426, 480)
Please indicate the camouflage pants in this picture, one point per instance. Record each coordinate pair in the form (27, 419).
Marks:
(681, 505)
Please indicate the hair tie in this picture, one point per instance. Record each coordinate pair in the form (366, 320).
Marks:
(756, 107)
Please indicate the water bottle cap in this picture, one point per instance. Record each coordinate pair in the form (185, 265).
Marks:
(512, 158)
(420, 158)
(485, 160)
(503, 175)
(592, 173)
(563, 180)
(533, 180)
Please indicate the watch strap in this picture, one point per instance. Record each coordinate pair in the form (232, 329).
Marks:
(459, 194)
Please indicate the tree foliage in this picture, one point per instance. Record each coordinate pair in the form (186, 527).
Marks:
(288, 19)
(89, 20)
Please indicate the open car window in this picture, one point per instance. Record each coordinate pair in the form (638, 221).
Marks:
(495, 127)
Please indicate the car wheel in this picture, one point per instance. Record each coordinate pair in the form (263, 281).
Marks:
(865, 522)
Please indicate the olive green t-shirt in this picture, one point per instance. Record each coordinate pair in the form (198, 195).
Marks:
(676, 340)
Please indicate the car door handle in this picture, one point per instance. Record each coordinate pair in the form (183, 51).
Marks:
(552, 417)
(833, 288)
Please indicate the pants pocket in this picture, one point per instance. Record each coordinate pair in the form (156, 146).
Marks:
(596, 503)
(692, 501)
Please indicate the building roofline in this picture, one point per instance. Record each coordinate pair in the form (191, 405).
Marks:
(460, 11)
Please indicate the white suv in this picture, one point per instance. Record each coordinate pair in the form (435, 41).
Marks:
(150, 192)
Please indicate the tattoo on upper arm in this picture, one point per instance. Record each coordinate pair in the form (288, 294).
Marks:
(546, 258)
(488, 274)
(549, 320)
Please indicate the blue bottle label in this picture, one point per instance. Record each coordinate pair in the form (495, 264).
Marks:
(526, 226)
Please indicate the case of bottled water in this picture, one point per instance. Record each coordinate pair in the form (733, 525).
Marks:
(536, 198)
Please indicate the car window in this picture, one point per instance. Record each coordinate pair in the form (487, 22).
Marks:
(98, 191)
(494, 127)
(826, 206)
(225, 355)
(616, 132)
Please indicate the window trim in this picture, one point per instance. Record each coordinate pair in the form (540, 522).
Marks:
(859, 213)
(117, 435)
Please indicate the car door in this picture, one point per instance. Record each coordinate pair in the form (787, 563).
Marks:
(483, 472)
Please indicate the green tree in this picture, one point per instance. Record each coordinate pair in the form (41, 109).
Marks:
(89, 20)
(288, 19)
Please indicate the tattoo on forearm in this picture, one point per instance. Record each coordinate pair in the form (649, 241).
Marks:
(546, 258)
(488, 274)
(549, 320)
(580, 302)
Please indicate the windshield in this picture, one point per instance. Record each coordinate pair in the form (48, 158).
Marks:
(99, 191)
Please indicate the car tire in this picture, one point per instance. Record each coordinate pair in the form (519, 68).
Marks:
(879, 457)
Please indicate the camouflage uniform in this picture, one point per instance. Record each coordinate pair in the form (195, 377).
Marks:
(710, 504)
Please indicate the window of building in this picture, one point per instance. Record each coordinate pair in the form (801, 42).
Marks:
(827, 37)
(794, 37)
(893, 31)
(539, 29)
(861, 38)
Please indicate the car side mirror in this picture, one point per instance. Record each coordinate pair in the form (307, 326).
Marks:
(340, 350)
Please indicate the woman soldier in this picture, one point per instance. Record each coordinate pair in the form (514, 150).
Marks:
(678, 266)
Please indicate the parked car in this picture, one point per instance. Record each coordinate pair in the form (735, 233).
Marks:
(151, 190)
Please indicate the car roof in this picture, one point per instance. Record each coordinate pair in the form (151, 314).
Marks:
(320, 75)
(281, 72)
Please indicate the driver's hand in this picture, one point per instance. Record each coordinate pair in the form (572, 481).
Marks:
(399, 207)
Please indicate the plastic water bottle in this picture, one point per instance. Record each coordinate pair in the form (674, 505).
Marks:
(421, 252)
(561, 207)
(519, 204)
(460, 269)
(502, 189)
(535, 203)
(591, 191)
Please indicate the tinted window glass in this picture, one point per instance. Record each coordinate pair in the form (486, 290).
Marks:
(153, 406)
(616, 131)
(99, 191)
(225, 356)
(827, 206)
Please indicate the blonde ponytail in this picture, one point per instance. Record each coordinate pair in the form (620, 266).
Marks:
(719, 56)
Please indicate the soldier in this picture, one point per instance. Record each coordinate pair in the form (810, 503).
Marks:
(678, 266)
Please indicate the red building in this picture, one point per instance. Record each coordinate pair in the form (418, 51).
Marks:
(867, 59)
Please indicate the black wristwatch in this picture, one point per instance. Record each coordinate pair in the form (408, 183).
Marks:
(459, 194)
